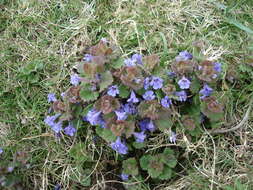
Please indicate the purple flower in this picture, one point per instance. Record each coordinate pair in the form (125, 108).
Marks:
(184, 56)
(63, 94)
(129, 62)
(49, 120)
(51, 97)
(130, 108)
(57, 187)
(1, 150)
(133, 98)
(140, 137)
(181, 95)
(149, 95)
(57, 127)
(205, 91)
(104, 40)
(166, 102)
(124, 177)
(119, 147)
(70, 130)
(146, 83)
(137, 58)
(74, 79)
(217, 67)
(113, 90)
(156, 82)
(171, 74)
(173, 137)
(121, 114)
(10, 169)
(94, 117)
(88, 57)
(147, 124)
(184, 83)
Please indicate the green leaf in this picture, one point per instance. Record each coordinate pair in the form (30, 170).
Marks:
(117, 64)
(124, 91)
(81, 176)
(106, 134)
(130, 167)
(166, 174)
(154, 172)
(78, 153)
(195, 85)
(87, 109)
(169, 158)
(31, 67)
(144, 161)
(159, 94)
(139, 145)
(240, 25)
(163, 124)
(106, 80)
(86, 94)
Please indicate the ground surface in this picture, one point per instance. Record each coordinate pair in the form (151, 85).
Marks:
(42, 40)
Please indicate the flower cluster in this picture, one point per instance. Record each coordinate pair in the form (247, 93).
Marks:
(128, 100)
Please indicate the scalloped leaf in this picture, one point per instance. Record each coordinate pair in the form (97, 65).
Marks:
(124, 91)
(106, 80)
(106, 134)
(163, 124)
(166, 174)
(150, 61)
(117, 64)
(130, 166)
(86, 94)
(144, 161)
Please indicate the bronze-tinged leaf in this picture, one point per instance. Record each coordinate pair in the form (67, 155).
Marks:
(118, 128)
(107, 104)
(213, 105)
(73, 94)
(150, 61)
(169, 89)
(129, 129)
(206, 71)
(92, 68)
(182, 67)
(59, 106)
(132, 77)
(156, 164)
(100, 60)
(189, 123)
(74, 91)
(149, 109)
(100, 49)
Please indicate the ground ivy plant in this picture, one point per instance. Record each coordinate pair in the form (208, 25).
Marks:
(128, 100)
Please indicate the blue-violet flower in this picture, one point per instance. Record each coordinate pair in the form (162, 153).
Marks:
(205, 91)
(156, 83)
(147, 124)
(51, 97)
(166, 102)
(181, 95)
(113, 90)
(140, 137)
(124, 177)
(149, 95)
(70, 130)
(119, 147)
(133, 98)
(75, 79)
(184, 83)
